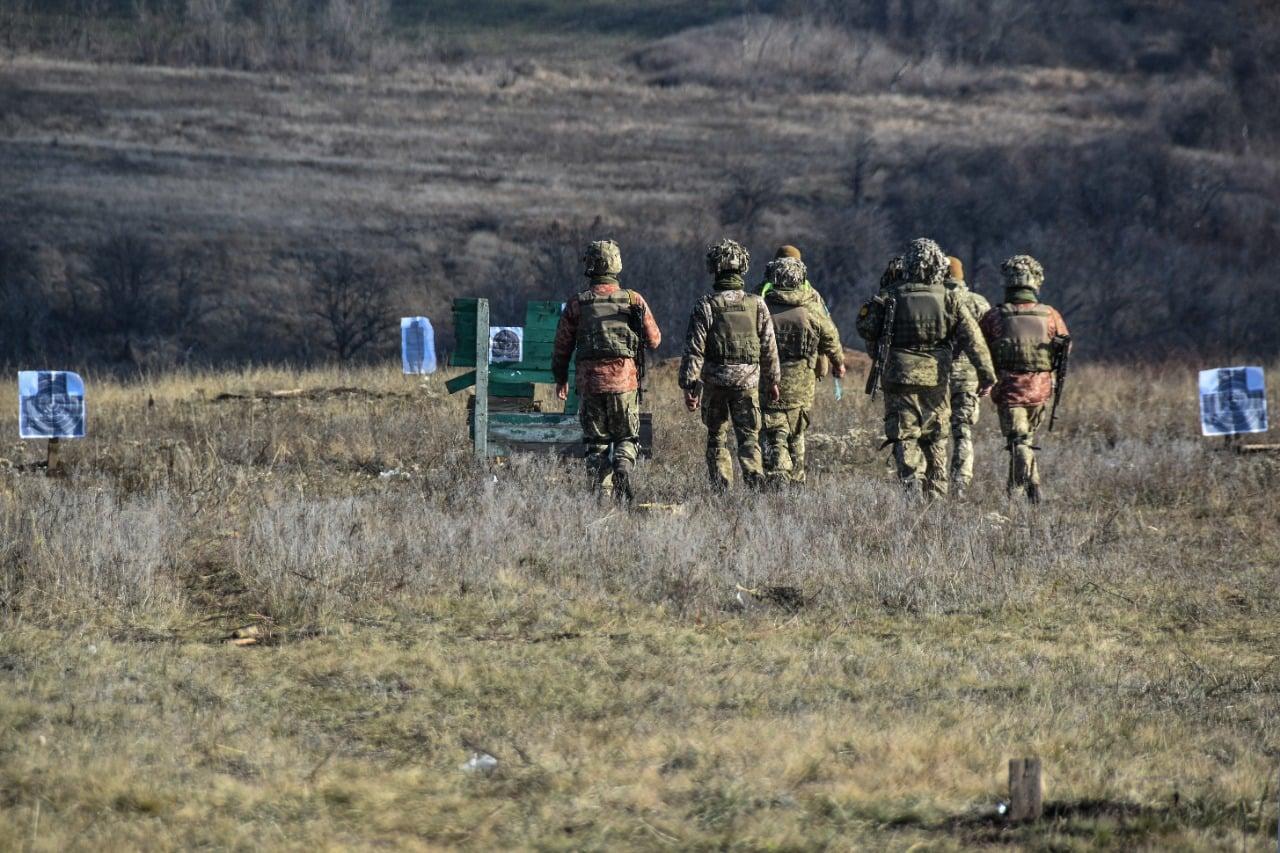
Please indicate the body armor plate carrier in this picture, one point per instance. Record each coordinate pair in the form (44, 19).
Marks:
(1025, 345)
(606, 328)
(797, 339)
(921, 318)
(733, 337)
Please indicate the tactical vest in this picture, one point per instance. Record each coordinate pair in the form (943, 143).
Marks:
(605, 326)
(1025, 345)
(920, 319)
(733, 337)
(797, 340)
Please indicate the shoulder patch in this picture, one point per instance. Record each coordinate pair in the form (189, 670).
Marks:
(866, 309)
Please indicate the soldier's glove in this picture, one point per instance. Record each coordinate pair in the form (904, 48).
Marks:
(984, 390)
(692, 400)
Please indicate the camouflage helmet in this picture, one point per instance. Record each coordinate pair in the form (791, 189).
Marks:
(925, 262)
(602, 257)
(786, 273)
(727, 256)
(893, 273)
(1022, 271)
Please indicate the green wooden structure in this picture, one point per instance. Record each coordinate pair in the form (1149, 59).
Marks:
(504, 401)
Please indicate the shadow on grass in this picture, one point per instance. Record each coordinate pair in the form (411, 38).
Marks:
(1105, 822)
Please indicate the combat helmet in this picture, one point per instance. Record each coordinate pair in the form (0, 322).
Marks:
(788, 251)
(602, 257)
(925, 262)
(1022, 271)
(727, 257)
(786, 273)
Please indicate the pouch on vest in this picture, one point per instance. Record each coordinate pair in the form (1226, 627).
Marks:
(605, 326)
(906, 367)
(1025, 345)
(733, 337)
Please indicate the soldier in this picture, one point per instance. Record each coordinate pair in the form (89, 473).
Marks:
(804, 332)
(1023, 333)
(605, 326)
(929, 322)
(729, 354)
(964, 387)
(823, 366)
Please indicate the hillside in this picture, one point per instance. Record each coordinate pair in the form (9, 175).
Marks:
(461, 157)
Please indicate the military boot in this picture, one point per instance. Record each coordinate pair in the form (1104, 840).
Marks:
(1033, 493)
(622, 493)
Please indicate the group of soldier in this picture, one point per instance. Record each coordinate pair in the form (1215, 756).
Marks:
(937, 348)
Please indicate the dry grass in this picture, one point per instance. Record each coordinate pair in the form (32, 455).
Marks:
(1126, 632)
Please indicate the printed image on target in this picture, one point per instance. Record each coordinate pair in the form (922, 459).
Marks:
(1233, 401)
(50, 404)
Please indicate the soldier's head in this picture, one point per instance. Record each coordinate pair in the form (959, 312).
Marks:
(602, 257)
(955, 268)
(1022, 272)
(727, 258)
(892, 273)
(786, 273)
(788, 252)
(924, 261)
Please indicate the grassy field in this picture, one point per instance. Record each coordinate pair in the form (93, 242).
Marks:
(412, 608)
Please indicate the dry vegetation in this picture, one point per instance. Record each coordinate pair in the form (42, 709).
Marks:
(414, 607)
(203, 184)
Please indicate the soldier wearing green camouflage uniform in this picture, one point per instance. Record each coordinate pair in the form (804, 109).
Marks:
(729, 355)
(929, 322)
(803, 332)
(964, 387)
(605, 328)
(1023, 334)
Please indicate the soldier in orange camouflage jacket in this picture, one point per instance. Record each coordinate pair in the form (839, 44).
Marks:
(1022, 333)
(605, 327)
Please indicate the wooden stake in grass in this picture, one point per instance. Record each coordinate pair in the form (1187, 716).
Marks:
(53, 459)
(1026, 791)
(480, 419)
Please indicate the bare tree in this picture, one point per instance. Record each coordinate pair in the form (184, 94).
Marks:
(23, 309)
(351, 297)
(127, 272)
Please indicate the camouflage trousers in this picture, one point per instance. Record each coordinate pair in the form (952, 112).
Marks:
(964, 417)
(1019, 425)
(784, 431)
(915, 419)
(738, 408)
(610, 422)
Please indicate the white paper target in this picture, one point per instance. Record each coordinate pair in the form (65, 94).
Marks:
(506, 344)
(50, 404)
(1233, 401)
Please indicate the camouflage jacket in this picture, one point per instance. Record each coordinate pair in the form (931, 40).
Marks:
(963, 375)
(605, 375)
(798, 376)
(695, 368)
(930, 367)
(1021, 389)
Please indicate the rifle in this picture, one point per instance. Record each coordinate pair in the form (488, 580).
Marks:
(636, 322)
(883, 344)
(1061, 352)
(641, 370)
